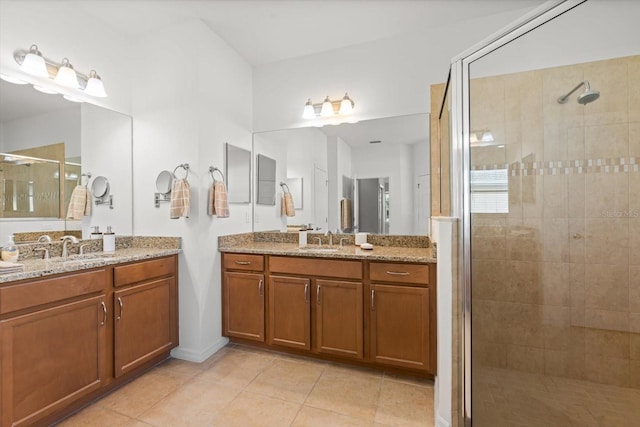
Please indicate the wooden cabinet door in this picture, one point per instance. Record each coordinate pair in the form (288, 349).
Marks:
(338, 315)
(145, 319)
(400, 326)
(289, 312)
(51, 358)
(243, 305)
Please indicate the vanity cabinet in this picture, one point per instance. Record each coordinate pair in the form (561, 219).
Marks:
(401, 316)
(70, 338)
(317, 306)
(145, 312)
(243, 297)
(53, 345)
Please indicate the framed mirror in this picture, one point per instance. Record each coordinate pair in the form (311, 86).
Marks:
(238, 174)
(266, 180)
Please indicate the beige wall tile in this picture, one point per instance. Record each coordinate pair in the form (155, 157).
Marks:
(576, 149)
(525, 239)
(607, 319)
(635, 346)
(525, 325)
(515, 197)
(607, 370)
(634, 139)
(556, 284)
(634, 288)
(487, 106)
(528, 359)
(489, 279)
(532, 196)
(634, 323)
(634, 238)
(558, 334)
(577, 233)
(488, 319)
(563, 363)
(556, 240)
(576, 195)
(607, 287)
(634, 189)
(556, 142)
(606, 194)
(524, 282)
(489, 354)
(607, 241)
(633, 74)
(607, 141)
(635, 373)
(610, 77)
(610, 344)
(555, 196)
(557, 82)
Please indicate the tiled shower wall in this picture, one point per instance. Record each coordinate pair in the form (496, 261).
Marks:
(556, 280)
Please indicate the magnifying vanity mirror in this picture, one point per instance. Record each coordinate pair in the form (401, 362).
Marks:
(371, 176)
(163, 187)
(100, 191)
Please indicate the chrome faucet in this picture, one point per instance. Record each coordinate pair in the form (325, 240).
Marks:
(45, 252)
(45, 238)
(65, 241)
(330, 234)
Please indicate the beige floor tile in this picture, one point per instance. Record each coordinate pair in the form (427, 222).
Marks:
(237, 368)
(290, 380)
(180, 368)
(250, 409)
(408, 379)
(195, 404)
(346, 392)
(96, 416)
(314, 417)
(140, 395)
(402, 404)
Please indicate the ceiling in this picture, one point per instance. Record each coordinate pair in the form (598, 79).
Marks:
(264, 31)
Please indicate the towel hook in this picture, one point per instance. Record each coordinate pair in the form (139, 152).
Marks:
(213, 169)
(282, 184)
(184, 166)
(88, 175)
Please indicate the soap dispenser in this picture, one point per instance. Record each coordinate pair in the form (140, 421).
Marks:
(109, 241)
(96, 233)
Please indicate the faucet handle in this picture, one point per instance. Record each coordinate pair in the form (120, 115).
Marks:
(45, 252)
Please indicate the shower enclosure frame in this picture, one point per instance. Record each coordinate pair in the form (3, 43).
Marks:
(460, 163)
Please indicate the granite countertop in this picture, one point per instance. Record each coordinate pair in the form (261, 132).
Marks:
(34, 268)
(379, 253)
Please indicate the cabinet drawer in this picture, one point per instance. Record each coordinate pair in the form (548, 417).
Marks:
(316, 267)
(133, 273)
(415, 274)
(31, 294)
(243, 262)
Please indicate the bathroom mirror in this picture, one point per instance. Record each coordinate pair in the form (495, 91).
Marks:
(100, 187)
(94, 139)
(238, 174)
(163, 182)
(266, 180)
(330, 160)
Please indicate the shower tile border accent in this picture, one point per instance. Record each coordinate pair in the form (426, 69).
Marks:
(567, 167)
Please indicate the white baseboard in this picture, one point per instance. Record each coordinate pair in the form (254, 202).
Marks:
(441, 422)
(192, 355)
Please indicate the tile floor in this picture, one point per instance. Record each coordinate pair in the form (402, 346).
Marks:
(520, 399)
(242, 386)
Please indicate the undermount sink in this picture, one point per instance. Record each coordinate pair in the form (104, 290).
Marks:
(321, 250)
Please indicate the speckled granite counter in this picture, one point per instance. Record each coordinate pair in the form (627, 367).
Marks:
(127, 250)
(245, 243)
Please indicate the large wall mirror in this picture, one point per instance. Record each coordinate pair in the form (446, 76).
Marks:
(371, 176)
(238, 174)
(46, 144)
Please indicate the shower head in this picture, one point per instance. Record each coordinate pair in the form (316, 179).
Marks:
(585, 97)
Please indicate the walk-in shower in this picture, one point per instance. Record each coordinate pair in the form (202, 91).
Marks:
(585, 97)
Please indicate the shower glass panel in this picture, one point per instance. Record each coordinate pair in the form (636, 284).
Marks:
(555, 226)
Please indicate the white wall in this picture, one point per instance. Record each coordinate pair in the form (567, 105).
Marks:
(385, 78)
(106, 151)
(44, 129)
(180, 119)
(62, 31)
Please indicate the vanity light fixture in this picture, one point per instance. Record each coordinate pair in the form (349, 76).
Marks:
(480, 138)
(32, 62)
(328, 108)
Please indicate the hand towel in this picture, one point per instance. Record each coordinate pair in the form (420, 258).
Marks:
(220, 204)
(286, 205)
(10, 267)
(180, 204)
(80, 203)
(346, 215)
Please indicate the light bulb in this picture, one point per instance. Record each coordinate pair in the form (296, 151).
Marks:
(309, 111)
(66, 75)
(34, 64)
(327, 108)
(95, 86)
(346, 105)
